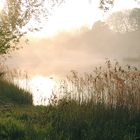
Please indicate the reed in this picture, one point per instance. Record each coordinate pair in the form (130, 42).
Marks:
(112, 84)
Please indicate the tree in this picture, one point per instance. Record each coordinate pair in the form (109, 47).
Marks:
(125, 21)
(14, 18)
(134, 18)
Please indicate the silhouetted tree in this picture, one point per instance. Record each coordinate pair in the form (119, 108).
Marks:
(14, 17)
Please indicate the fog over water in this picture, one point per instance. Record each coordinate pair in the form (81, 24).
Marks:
(47, 58)
(83, 39)
(80, 50)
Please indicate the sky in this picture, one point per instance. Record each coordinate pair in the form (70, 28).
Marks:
(74, 14)
(73, 38)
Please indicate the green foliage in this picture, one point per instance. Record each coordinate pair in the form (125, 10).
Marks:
(10, 93)
(11, 129)
(72, 121)
(15, 15)
(69, 121)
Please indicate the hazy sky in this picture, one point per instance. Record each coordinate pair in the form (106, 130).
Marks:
(70, 40)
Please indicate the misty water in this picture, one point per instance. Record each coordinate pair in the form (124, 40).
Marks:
(116, 38)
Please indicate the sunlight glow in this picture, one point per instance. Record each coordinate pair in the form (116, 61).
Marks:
(42, 84)
(74, 14)
(1, 5)
(41, 88)
(124, 4)
(70, 16)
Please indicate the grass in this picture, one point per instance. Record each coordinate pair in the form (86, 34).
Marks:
(69, 121)
(102, 105)
(10, 93)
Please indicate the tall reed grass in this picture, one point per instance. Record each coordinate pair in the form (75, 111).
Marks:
(112, 84)
(101, 105)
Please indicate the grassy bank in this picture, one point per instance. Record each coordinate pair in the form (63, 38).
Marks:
(13, 94)
(102, 105)
(69, 121)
